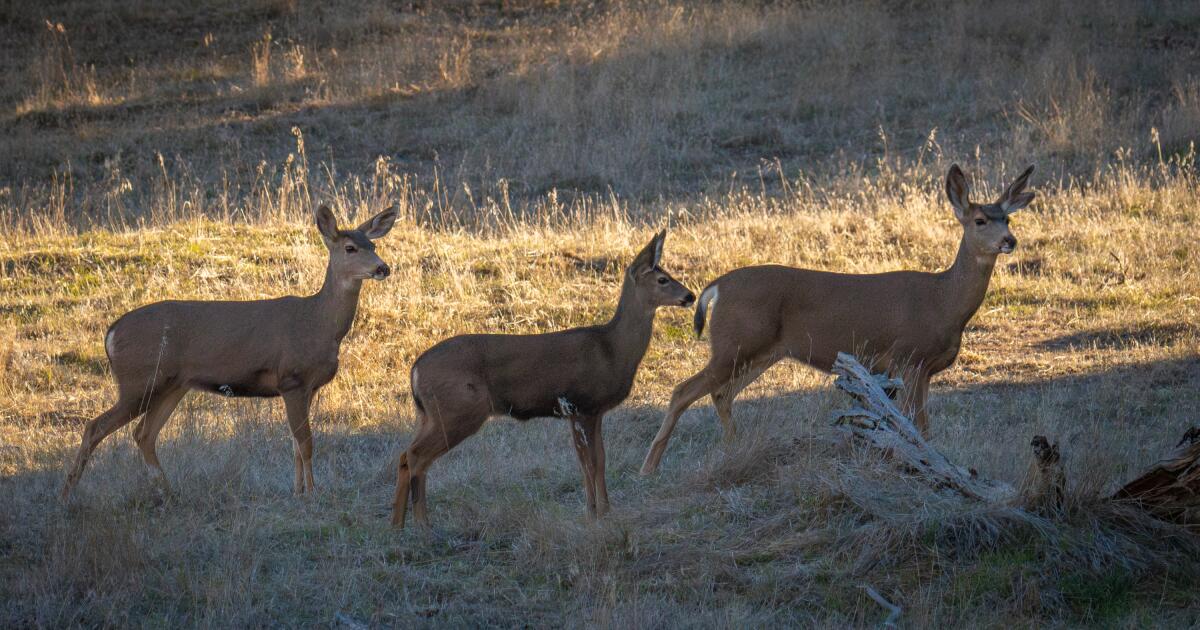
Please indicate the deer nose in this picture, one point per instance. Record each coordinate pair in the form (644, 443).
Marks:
(1010, 241)
(689, 299)
(382, 271)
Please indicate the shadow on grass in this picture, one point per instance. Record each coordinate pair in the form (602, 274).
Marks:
(721, 530)
(1121, 338)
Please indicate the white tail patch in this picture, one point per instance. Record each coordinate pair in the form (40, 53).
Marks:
(708, 299)
(414, 379)
(108, 343)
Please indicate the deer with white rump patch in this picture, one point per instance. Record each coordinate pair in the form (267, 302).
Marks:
(577, 374)
(906, 323)
(285, 347)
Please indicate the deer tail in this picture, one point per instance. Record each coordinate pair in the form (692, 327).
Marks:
(708, 299)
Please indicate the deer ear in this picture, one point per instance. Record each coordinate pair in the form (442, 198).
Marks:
(648, 257)
(658, 245)
(326, 222)
(1016, 202)
(1015, 197)
(957, 192)
(379, 225)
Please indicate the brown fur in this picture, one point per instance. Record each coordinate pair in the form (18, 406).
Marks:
(284, 347)
(906, 323)
(578, 374)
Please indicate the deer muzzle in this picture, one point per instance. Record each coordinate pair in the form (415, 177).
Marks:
(1008, 244)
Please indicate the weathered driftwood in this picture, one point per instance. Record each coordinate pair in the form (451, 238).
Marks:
(879, 422)
(1170, 490)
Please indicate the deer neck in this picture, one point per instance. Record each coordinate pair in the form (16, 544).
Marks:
(335, 304)
(630, 328)
(968, 277)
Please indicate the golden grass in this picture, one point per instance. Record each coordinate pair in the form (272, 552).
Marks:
(531, 149)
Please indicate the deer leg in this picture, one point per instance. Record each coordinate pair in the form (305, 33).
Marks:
(297, 403)
(723, 397)
(435, 438)
(404, 480)
(120, 414)
(403, 483)
(582, 432)
(600, 483)
(419, 496)
(914, 404)
(688, 392)
(147, 430)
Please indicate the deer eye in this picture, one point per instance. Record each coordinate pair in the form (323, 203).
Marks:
(662, 280)
(350, 249)
(980, 221)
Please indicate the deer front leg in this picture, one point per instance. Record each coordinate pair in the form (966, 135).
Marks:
(582, 429)
(916, 398)
(600, 484)
(297, 403)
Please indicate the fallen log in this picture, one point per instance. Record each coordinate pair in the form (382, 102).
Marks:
(879, 422)
(1170, 490)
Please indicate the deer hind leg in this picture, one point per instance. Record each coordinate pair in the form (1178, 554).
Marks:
(297, 403)
(147, 430)
(723, 397)
(404, 477)
(123, 412)
(403, 483)
(404, 480)
(699, 385)
(583, 432)
(437, 435)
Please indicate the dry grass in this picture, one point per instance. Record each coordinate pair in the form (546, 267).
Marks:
(170, 150)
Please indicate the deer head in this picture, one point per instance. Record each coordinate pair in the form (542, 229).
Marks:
(651, 281)
(351, 253)
(985, 226)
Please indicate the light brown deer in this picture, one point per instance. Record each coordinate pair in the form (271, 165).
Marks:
(284, 347)
(577, 374)
(907, 323)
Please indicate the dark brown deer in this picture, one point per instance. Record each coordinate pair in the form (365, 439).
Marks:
(907, 323)
(577, 374)
(284, 347)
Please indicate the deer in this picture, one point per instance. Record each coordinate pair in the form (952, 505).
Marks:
(285, 347)
(905, 323)
(579, 374)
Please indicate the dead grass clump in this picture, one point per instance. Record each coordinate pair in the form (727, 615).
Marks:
(1181, 120)
(261, 55)
(751, 458)
(59, 81)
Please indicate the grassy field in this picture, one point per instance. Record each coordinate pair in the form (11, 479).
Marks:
(161, 150)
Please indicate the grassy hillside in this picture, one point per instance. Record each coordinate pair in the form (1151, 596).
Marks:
(169, 150)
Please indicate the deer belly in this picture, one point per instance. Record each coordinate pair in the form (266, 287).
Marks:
(558, 406)
(262, 384)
